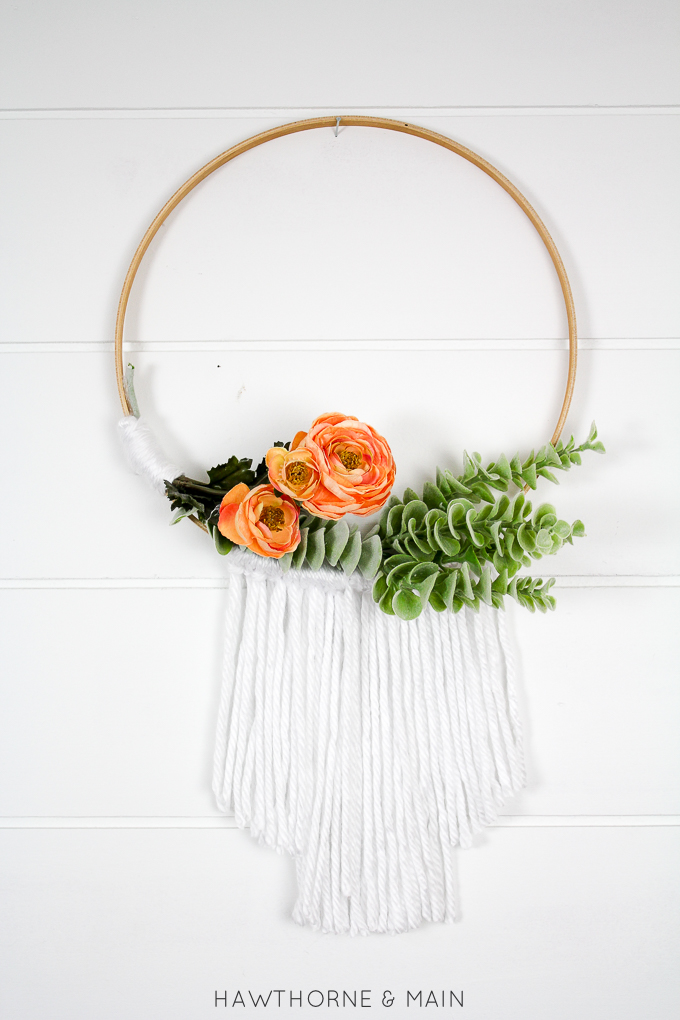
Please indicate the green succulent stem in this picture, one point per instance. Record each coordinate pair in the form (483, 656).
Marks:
(464, 540)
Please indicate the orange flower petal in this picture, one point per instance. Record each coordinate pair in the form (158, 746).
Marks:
(227, 522)
(235, 495)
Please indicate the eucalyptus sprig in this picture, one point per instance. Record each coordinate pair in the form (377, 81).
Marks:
(460, 544)
(335, 544)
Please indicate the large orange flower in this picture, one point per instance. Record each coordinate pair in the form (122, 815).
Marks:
(355, 464)
(265, 523)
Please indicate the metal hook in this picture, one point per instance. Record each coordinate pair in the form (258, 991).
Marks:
(337, 125)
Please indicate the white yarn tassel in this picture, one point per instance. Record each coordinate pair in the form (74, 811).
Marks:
(144, 454)
(365, 746)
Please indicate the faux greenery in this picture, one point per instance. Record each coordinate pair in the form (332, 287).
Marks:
(460, 543)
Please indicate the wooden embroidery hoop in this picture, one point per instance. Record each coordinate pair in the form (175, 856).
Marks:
(352, 121)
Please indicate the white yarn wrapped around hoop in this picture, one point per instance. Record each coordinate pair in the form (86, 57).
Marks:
(365, 746)
(144, 454)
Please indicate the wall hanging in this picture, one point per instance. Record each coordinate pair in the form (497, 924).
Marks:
(368, 721)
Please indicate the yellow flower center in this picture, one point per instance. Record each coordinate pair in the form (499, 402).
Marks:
(349, 459)
(297, 473)
(273, 518)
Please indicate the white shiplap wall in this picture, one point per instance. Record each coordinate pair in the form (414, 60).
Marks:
(403, 286)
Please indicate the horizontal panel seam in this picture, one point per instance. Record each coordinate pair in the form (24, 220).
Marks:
(74, 583)
(227, 822)
(633, 344)
(297, 112)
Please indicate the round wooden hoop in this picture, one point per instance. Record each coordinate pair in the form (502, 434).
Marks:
(334, 122)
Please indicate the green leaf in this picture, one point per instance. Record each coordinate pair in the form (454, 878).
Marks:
(446, 542)
(431, 519)
(402, 570)
(526, 537)
(544, 542)
(433, 496)
(495, 529)
(482, 492)
(421, 572)
(551, 456)
(502, 467)
(337, 537)
(469, 520)
(416, 552)
(442, 484)
(420, 542)
(516, 508)
(499, 508)
(407, 605)
(456, 485)
(437, 602)
(467, 583)
(410, 496)
(425, 587)
(391, 502)
(285, 562)
(351, 554)
(222, 544)
(316, 549)
(544, 510)
(414, 510)
(226, 476)
(385, 602)
(500, 585)
(529, 475)
(394, 517)
(379, 587)
(393, 561)
(562, 530)
(578, 529)
(471, 559)
(484, 586)
(371, 555)
(300, 552)
(457, 510)
(445, 587)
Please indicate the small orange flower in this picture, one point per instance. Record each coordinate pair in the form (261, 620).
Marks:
(257, 518)
(355, 464)
(294, 472)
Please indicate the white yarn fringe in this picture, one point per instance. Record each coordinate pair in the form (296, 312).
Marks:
(144, 454)
(366, 747)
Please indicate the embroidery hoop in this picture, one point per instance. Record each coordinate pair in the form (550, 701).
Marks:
(352, 121)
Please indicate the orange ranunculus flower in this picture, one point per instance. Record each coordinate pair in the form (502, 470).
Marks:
(294, 472)
(265, 523)
(355, 463)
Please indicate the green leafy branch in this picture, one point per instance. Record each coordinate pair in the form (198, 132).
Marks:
(462, 545)
(191, 498)
(335, 544)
